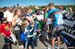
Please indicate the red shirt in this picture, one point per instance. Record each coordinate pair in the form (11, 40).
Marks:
(5, 29)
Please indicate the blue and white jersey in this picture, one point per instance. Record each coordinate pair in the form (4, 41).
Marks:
(27, 30)
(24, 34)
(58, 19)
(36, 26)
(58, 16)
(52, 10)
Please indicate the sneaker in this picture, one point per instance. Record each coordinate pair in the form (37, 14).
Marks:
(58, 47)
(48, 48)
(53, 47)
(21, 46)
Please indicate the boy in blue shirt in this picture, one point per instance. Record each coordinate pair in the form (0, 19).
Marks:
(27, 34)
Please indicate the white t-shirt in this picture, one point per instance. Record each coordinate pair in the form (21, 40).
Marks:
(40, 17)
(18, 20)
(8, 15)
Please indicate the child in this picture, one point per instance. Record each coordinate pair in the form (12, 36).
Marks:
(5, 31)
(26, 35)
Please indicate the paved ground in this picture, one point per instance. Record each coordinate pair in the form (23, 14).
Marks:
(40, 45)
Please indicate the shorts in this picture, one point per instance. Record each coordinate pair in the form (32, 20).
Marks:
(56, 32)
(51, 26)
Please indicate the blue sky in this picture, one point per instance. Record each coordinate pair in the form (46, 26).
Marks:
(35, 2)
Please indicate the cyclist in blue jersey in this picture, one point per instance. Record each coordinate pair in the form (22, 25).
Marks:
(57, 22)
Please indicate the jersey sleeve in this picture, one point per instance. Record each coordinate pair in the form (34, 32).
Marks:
(0, 28)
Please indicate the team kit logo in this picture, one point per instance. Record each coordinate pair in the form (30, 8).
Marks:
(7, 27)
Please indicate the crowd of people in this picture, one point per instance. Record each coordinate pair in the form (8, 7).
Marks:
(26, 26)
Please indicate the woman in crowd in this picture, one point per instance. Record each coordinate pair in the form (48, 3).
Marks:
(16, 23)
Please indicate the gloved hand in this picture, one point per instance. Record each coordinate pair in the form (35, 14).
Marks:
(34, 34)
